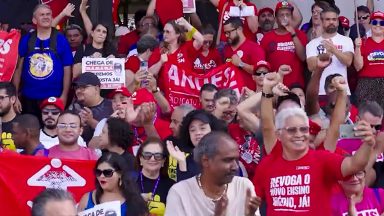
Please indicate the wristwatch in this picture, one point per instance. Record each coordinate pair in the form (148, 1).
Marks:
(293, 35)
(155, 91)
(241, 64)
(267, 95)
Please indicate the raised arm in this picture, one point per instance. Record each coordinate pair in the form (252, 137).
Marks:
(197, 36)
(66, 12)
(371, 5)
(246, 111)
(86, 20)
(297, 18)
(358, 61)
(159, 97)
(151, 8)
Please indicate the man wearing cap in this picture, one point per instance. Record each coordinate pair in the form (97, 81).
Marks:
(242, 52)
(50, 111)
(261, 69)
(330, 46)
(266, 22)
(286, 44)
(89, 104)
(344, 22)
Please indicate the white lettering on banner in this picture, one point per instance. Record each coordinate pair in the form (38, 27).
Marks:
(291, 192)
(286, 46)
(5, 46)
(368, 212)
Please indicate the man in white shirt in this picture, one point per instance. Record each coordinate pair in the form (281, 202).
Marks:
(330, 45)
(216, 191)
(50, 111)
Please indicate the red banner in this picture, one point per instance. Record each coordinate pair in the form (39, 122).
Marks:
(9, 49)
(23, 177)
(181, 85)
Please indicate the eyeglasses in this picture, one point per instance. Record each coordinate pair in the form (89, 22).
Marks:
(52, 111)
(148, 155)
(360, 175)
(315, 12)
(377, 127)
(363, 17)
(377, 22)
(208, 42)
(261, 73)
(3, 97)
(107, 172)
(226, 33)
(64, 125)
(294, 130)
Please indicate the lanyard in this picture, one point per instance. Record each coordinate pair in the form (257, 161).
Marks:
(154, 189)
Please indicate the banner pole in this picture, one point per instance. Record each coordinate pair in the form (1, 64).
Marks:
(357, 20)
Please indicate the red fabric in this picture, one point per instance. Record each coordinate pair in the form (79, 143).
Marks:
(248, 147)
(247, 32)
(18, 185)
(126, 41)
(182, 85)
(57, 6)
(169, 10)
(279, 50)
(203, 64)
(132, 64)
(373, 55)
(9, 43)
(338, 150)
(162, 128)
(115, 7)
(250, 53)
(299, 187)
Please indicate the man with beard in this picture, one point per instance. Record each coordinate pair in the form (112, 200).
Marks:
(7, 114)
(225, 101)
(243, 52)
(286, 45)
(207, 92)
(266, 22)
(69, 128)
(216, 191)
(330, 45)
(50, 111)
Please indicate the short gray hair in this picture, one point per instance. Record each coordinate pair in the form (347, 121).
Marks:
(209, 145)
(40, 6)
(282, 116)
(47, 195)
(186, 108)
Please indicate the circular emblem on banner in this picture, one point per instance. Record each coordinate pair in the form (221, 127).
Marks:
(40, 65)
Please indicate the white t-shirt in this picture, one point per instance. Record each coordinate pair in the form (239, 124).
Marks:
(342, 43)
(49, 141)
(188, 199)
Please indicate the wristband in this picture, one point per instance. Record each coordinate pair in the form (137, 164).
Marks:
(266, 95)
(190, 33)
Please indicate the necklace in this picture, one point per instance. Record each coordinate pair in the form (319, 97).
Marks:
(198, 177)
(154, 189)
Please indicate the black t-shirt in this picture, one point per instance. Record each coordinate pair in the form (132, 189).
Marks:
(88, 50)
(6, 135)
(130, 159)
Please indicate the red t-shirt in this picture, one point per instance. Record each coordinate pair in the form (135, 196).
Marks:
(280, 49)
(202, 64)
(299, 187)
(247, 32)
(132, 63)
(126, 41)
(169, 10)
(250, 153)
(250, 53)
(373, 55)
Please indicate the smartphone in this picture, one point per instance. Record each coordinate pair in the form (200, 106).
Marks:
(347, 131)
(144, 67)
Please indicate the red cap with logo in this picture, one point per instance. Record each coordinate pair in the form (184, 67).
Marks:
(57, 102)
(142, 96)
(122, 90)
(283, 5)
(266, 9)
(377, 15)
(263, 63)
(314, 128)
(344, 21)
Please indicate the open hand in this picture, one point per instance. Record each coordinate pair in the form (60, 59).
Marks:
(252, 203)
(175, 152)
(68, 10)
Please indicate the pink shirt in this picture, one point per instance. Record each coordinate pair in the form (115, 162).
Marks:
(372, 204)
(82, 153)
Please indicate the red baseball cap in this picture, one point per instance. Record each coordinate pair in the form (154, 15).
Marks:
(266, 9)
(377, 15)
(344, 21)
(263, 63)
(283, 5)
(314, 128)
(122, 90)
(142, 96)
(57, 102)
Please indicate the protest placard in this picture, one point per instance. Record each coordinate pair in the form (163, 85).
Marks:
(104, 209)
(189, 6)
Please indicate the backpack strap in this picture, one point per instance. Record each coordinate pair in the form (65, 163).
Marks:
(32, 41)
(52, 42)
(46, 152)
(377, 194)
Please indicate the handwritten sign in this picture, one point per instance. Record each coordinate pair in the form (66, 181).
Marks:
(110, 71)
(107, 208)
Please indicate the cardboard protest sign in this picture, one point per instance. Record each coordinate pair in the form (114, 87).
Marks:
(104, 209)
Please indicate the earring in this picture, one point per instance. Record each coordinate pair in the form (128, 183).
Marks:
(120, 183)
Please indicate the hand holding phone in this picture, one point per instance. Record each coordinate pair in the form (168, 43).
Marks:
(347, 131)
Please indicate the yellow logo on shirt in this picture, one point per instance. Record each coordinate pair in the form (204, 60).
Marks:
(156, 207)
(40, 65)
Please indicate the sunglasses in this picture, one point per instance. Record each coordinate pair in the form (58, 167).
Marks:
(53, 112)
(363, 17)
(208, 42)
(377, 127)
(261, 73)
(294, 130)
(148, 156)
(107, 172)
(377, 22)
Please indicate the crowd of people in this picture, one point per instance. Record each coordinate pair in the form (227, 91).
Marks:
(303, 137)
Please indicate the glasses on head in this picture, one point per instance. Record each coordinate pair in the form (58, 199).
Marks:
(363, 17)
(377, 22)
(259, 73)
(148, 155)
(64, 125)
(294, 130)
(2, 97)
(52, 111)
(226, 33)
(107, 172)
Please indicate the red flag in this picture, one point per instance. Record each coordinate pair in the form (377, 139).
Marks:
(23, 177)
(181, 85)
(9, 49)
